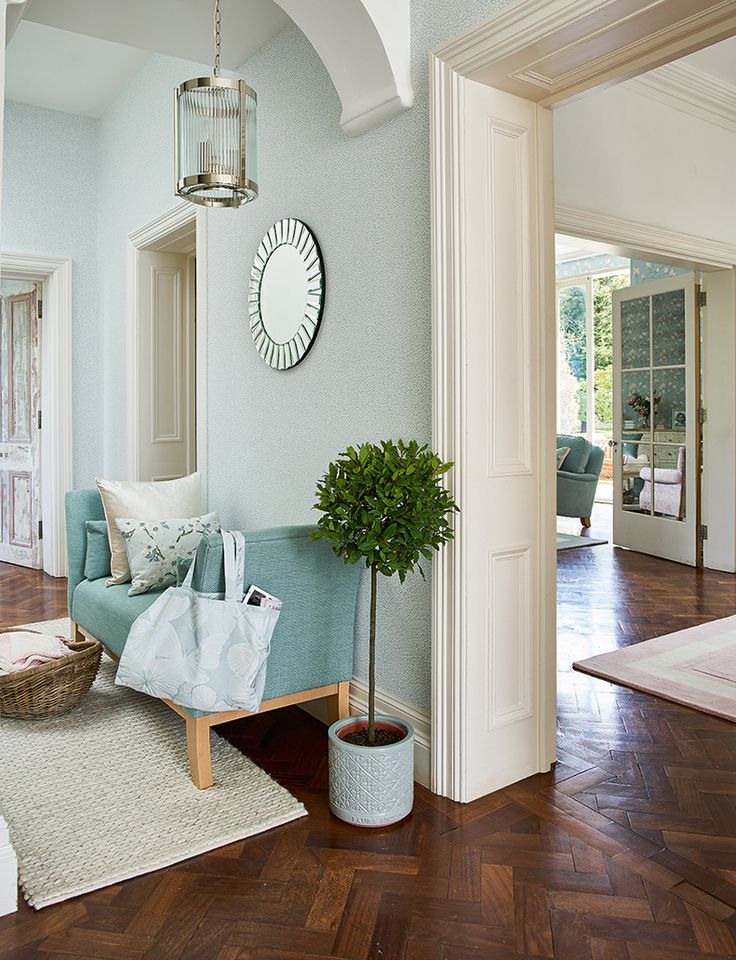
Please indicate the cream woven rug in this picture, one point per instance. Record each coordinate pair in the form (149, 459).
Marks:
(102, 793)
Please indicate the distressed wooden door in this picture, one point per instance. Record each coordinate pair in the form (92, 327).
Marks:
(20, 423)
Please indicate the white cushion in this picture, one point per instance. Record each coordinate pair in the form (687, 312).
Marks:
(145, 500)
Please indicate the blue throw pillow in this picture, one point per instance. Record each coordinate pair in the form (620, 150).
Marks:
(209, 567)
(97, 559)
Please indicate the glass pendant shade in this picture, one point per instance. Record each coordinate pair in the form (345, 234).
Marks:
(216, 142)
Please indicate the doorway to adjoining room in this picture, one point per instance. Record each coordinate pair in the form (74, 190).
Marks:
(628, 401)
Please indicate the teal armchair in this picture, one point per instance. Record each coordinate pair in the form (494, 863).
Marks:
(577, 478)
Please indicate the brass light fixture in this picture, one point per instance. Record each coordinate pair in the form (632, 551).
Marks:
(215, 137)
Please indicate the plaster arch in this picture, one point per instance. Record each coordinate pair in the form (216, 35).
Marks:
(365, 47)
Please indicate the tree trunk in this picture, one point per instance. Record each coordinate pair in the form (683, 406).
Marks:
(372, 661)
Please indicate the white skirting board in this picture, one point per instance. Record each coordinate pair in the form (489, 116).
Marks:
(386, 704)
(8, 872)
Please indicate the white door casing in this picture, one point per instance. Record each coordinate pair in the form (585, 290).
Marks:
(162, 233)
(719, 401)
(166, 371)
(503, 686)
(656, 445)
(544, 53)
(20, 442)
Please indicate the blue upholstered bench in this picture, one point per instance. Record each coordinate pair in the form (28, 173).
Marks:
(312, 647)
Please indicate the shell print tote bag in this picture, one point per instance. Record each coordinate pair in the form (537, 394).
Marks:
(200, 652)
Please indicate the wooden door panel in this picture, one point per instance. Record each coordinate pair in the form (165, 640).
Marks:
(19, 367)
(20, 509)
(19, 427)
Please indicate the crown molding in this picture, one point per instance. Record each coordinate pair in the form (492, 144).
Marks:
(692, 91)
(553, 52)
(642, 239)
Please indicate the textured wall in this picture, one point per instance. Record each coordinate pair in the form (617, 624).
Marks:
(368, 376)
(136, 149)
(49, 207)
(271, 435)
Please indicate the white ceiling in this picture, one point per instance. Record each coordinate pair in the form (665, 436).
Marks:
(66, 71)
(60, 44)
(179, 28)
(719, 60)
(76, 55)
(576, 248)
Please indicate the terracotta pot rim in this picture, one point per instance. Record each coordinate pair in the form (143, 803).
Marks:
(361, 719)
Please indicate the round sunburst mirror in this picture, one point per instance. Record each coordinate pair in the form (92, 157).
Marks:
(287, 294)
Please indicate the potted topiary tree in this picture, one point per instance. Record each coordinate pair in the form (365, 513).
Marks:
(384, 504)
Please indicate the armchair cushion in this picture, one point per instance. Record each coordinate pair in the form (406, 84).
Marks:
(661, 474)
(577, 459)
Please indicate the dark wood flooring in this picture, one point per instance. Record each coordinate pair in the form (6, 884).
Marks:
(626, 851)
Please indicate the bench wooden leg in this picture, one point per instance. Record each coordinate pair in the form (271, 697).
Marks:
(198, 747)
(77, 635)
(585, 521)
(338, 705)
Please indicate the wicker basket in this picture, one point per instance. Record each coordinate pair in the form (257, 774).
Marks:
(53, 687)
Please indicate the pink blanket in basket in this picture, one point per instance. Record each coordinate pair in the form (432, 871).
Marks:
(21, 649)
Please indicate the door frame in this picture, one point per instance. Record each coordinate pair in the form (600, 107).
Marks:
(182, 215)
(547, 54)
(56, 393)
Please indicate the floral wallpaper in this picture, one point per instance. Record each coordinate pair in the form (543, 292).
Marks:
(581, 268)
(635, 333)
(643, 272)
(667, 390)
(668, 322)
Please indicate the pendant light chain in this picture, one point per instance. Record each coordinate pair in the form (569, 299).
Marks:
(217, 38)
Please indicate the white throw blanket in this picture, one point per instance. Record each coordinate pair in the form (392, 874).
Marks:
(21, 649)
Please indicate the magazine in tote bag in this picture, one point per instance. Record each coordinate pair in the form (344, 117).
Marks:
(200, 652)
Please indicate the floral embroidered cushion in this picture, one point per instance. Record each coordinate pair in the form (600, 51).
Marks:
(154, 547)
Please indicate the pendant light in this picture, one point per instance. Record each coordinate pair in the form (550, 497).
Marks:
(215, 137)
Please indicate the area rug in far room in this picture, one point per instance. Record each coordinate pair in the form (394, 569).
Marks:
(695, 667)
(102, 793)
(568, 541)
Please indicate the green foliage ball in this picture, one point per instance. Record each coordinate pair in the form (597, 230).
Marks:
(385, 504)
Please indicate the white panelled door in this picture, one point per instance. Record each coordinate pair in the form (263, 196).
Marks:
(507, 522)
(20, 447)
(655, 408)
(166, 375)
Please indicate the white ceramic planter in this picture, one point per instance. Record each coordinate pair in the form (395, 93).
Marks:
(371, 786)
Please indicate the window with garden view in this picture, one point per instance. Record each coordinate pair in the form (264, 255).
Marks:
(585, 355)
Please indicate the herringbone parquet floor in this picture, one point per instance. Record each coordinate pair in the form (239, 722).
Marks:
(627, 851)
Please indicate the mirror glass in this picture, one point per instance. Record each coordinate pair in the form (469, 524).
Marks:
(284, 290)
(286, 297)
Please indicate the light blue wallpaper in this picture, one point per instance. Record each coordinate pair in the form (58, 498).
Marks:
(49, 207)
(643, 272)
(367, 199)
